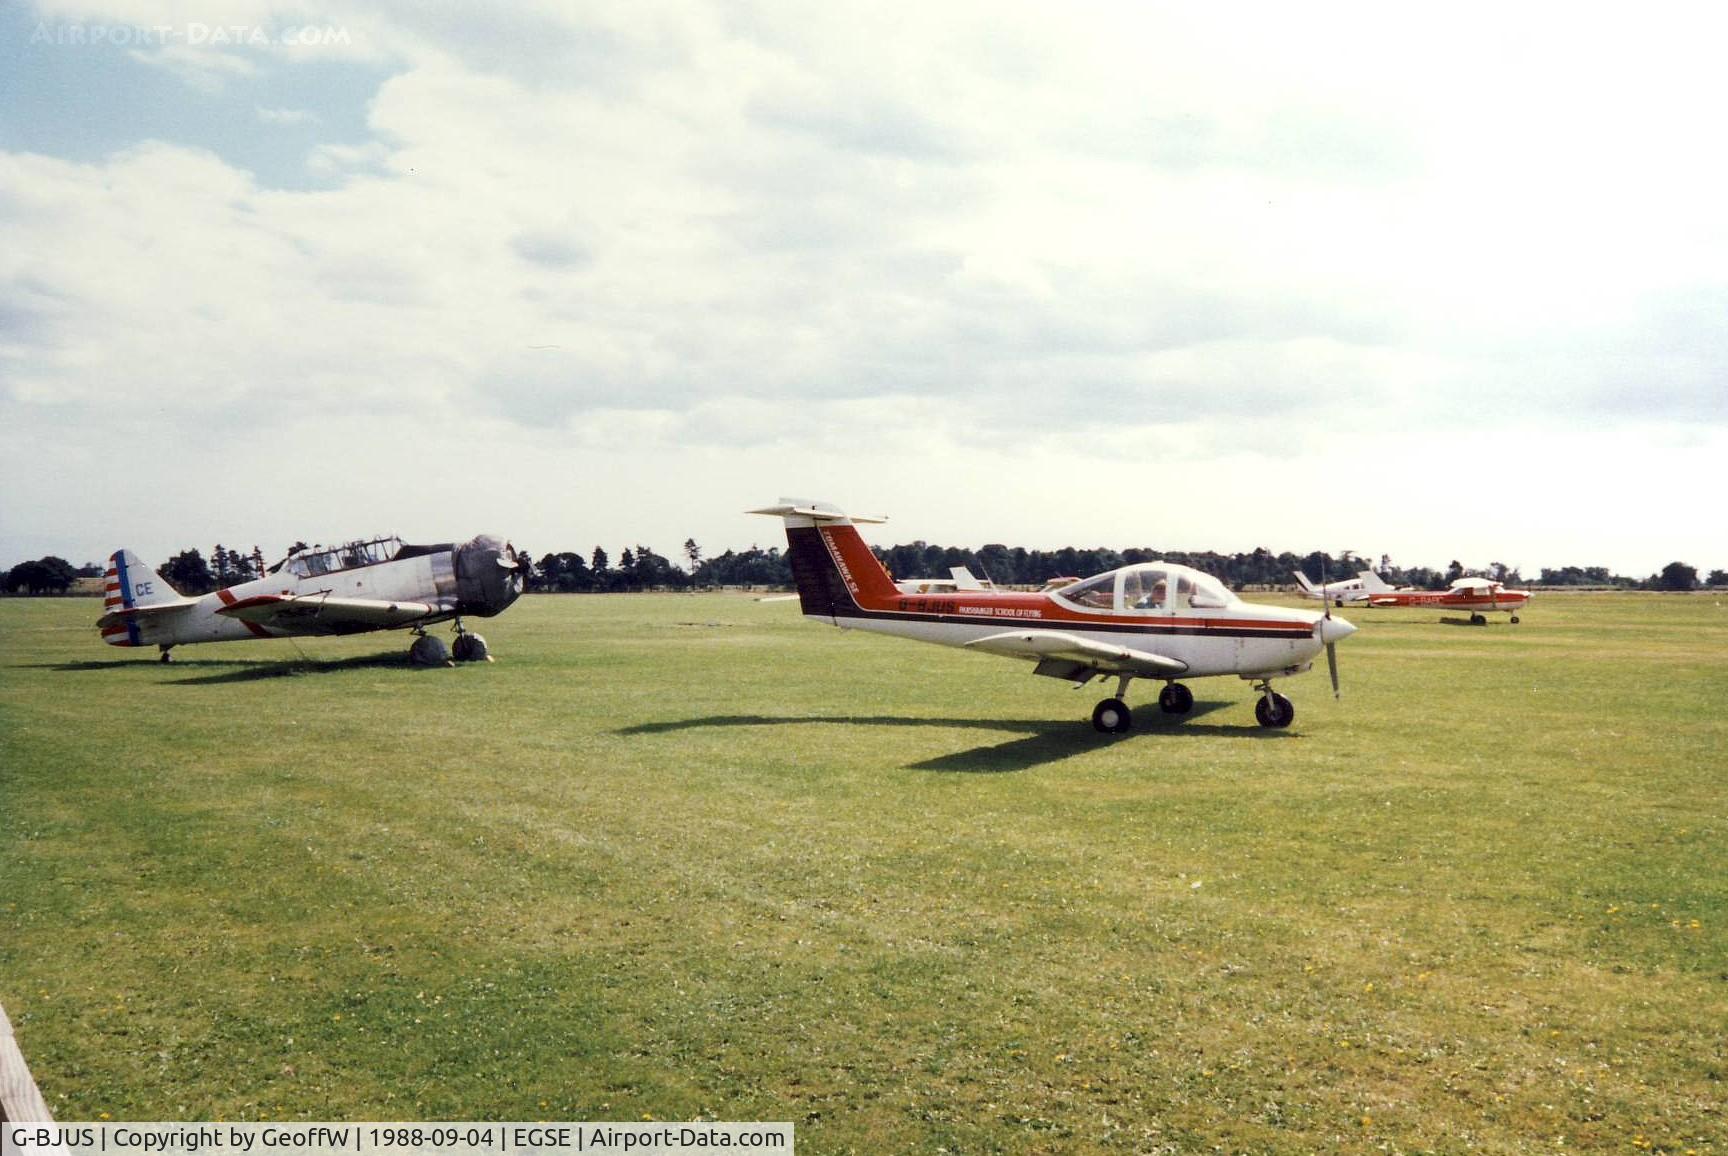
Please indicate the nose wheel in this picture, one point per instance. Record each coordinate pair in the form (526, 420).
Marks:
(1274, 710)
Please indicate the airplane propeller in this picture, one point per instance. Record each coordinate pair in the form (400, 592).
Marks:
(1325, 634)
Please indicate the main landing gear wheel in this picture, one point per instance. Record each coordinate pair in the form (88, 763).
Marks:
(471, 648)
(1274, 710)
(1112, 717)
(1175, 699)
(1514, 620)
(429, 650)
(1478, 620)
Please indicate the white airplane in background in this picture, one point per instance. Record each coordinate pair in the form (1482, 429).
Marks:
(963, 579)
(1358, 589)
(1152, 620)
(373, 584)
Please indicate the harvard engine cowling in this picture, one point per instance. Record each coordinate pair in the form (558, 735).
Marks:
(489, 575)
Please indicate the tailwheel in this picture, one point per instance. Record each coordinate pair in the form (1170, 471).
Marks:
(166, 657)
(1274, 710)
(1112, 717)
(1175, 699)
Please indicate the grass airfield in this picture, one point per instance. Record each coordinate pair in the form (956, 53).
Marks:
(692, 856)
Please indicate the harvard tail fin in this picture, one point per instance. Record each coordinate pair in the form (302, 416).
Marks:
(131, 590)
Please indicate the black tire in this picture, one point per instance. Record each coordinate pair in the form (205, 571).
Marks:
(1112, 717)
(1175, 699)
(469, 648)
(1514, 620)
(429, 650)
(1274, 710)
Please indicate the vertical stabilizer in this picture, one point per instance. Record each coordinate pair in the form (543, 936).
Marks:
(130, 585)
(835, 572)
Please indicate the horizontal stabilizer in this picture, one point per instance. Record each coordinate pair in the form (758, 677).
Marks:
(316, 613)
(817, 511)
(1043, 646)
(121, 615)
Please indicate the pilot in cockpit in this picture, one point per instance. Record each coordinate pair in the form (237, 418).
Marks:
(1143, 596)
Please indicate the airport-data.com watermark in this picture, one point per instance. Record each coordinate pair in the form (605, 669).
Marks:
(192, 34)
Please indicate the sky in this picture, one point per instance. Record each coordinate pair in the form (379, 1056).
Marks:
(1433, 283)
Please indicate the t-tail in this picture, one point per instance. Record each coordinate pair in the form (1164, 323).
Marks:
(128, 588)
(836, 573)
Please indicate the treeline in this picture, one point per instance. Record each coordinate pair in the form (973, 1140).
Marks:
(639, 567)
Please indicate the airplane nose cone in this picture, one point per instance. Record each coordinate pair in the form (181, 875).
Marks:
(1335, 629)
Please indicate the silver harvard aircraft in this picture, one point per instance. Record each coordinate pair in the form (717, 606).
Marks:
(374, 584)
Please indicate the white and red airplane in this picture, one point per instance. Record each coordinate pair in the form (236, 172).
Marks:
(1472, 594)
(1153, 620)
(373, 584)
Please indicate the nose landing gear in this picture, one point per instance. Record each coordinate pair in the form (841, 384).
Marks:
(1273, 709)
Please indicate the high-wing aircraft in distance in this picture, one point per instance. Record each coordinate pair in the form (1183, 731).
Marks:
(1153, 620)
(1472, 594)
(1357, 589)
(373, 584)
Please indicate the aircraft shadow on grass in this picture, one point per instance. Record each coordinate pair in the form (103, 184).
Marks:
(243, 670)
(1047, 742)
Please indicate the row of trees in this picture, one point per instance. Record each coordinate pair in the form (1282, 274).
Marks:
(640, 568)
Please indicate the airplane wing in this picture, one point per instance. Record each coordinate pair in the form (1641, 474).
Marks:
(320, 614)
(1070, 656)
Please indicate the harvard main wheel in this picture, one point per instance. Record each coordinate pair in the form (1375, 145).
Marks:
(1175, 699)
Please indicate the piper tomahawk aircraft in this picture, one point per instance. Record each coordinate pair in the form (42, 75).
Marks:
(1472, 594)
(1150, 620)
(374, 584)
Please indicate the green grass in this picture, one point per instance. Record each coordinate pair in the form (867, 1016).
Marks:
(691, 856)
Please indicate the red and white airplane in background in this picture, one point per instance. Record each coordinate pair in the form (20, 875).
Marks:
(1472, 594)
(1152, 620)
(375, 584)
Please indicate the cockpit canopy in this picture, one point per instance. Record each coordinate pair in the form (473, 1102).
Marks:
(1146, 587)
(323, 559)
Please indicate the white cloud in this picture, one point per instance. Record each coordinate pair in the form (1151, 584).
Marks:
(287, 116)
(973, 245)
